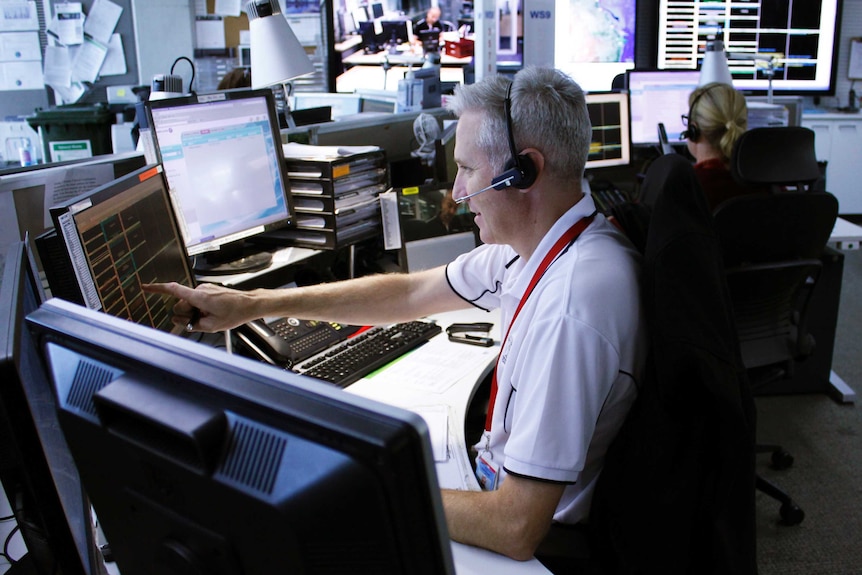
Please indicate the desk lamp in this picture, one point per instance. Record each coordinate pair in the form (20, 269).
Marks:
(276, 55)
(714, 67)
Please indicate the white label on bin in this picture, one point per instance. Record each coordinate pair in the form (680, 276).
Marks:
(70, 150)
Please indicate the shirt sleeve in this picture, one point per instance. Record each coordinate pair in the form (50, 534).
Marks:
(478, 276)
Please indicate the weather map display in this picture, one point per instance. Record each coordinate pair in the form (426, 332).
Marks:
(594, 40)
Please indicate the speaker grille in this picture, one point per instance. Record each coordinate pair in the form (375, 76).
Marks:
(254, 457)
(88, 380)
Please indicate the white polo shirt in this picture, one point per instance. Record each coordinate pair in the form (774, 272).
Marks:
(566, 378)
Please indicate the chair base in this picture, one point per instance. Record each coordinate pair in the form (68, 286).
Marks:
(790, 512)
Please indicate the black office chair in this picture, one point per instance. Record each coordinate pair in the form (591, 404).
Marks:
(676, 494)
(771, 247)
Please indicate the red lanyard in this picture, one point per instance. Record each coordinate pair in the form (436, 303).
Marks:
(566, 239)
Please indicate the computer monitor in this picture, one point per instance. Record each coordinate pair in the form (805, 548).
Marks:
(27, 193)
(803, 37)
(659, 96)
(611, 143)
(396, 31)
(430, 41)
(120, 236)
(376, 10)
(37, 471)
(594, 41)
(434, 229)
(223, 158)
(212, 463)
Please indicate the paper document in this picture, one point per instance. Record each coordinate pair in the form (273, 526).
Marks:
(437, 418)
(307, 151)
(437, 365)
(102, 20)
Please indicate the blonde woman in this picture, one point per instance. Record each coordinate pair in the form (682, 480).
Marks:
(717, 116)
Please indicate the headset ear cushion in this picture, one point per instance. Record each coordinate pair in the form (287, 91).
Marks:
(528, 172)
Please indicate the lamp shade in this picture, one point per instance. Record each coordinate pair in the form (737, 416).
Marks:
(714, 67)
(276, 54)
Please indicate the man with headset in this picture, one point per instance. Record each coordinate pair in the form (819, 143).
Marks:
(566, 281)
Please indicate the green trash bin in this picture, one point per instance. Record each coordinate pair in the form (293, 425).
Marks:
(70, 129)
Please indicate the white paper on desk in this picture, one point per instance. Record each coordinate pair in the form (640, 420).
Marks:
(437, 419)
(18, 16)
(88, 60)
(436, 366)
(115, 59)
(102, 20)
(20, 47)
(307, 151)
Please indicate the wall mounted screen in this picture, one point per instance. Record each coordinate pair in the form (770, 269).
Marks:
(800, 35)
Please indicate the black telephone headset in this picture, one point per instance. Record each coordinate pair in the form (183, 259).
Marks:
(692, 131)
(520, 171)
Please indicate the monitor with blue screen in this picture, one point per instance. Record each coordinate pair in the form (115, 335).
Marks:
(659, 96)
(223, 158)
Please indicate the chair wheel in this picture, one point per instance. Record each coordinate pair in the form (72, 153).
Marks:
(791, 514)
(781, 459)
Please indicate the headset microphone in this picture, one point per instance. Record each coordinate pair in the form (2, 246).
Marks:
(497, 183)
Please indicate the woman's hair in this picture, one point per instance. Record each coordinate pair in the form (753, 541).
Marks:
(720, 115)
(549, 113)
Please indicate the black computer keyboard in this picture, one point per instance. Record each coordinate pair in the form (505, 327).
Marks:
(355, 358)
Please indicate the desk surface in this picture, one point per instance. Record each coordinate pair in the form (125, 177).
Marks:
(846, 235)
(444, 376)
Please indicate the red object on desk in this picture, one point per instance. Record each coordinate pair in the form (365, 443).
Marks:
(460, 49)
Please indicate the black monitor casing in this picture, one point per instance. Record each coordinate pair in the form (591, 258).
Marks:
(196, 459)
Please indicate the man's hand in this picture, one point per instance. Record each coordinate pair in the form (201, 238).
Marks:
(209, 307)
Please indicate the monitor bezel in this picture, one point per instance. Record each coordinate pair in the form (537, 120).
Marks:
(760, 87)
(672, 135)
(225, 96)
(372, 433)
(621, 99)
(42, 471)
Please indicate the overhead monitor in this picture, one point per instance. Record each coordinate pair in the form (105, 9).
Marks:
(38, 473)
(197, 461)
(611, 143)
(659, 96)
(802, 37)
(223, 158)
(377, 10)
(120, 236)
(594, 41)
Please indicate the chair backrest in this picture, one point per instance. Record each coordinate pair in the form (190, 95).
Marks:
(677, 488)
(771, 246)
(776, 156)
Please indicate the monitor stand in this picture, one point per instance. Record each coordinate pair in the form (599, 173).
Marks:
(230, 259)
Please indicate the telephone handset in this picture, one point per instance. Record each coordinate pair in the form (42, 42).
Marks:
(288, 341)
(666, 148)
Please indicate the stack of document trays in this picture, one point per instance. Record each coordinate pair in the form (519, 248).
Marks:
(335, 194)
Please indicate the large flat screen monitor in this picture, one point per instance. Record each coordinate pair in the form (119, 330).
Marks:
(802, 36)
(659, 96)
(611, 142)
(36, 468)
(224, 162)
(197, 461)
(594, 41)
(122, 235)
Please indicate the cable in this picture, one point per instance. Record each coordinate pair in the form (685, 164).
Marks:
(6, 543)
(192, 64)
